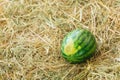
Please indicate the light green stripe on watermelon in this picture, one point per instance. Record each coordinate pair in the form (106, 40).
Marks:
(80, 40)
(88, 54)
(85, 49)
(85, 41)
(92, 41)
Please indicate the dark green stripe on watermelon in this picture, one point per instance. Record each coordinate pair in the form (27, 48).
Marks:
(85, 40)
(80, 40)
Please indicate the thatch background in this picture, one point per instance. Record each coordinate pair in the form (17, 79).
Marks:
(31, 32)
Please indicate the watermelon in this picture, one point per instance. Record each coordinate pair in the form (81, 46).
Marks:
(78, 46)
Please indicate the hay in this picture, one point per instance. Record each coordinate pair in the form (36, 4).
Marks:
(31, 32)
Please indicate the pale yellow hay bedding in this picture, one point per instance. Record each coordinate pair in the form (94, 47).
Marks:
(31, 32)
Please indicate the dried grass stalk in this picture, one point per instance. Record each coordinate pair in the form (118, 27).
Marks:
(31, 32)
